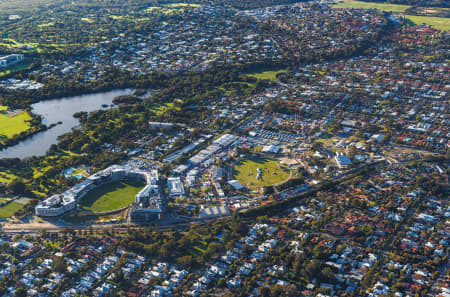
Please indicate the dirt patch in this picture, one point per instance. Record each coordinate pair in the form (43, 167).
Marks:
(13, 112)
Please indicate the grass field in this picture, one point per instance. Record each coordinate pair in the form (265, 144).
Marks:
(165, 107)
(199, 246)
(9, 209)
(268, 74)
(182, 5)
(4, 200)
(111, 196)
(83, 217)
(6, 177)
(10, 126)
(18, 67)
(367, 5)
(245, 172)
(435, 22)
(171, 8)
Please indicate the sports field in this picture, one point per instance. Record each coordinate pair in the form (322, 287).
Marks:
(10, 209)
(12, 125)
(111, 196)
(435, 22)
(367, 5)
(271, 172)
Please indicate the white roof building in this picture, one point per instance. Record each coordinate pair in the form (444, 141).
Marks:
(175, 186)
(273, 149)
(342, 160)
(235, 184)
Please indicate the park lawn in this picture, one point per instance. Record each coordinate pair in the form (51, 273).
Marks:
(6, 177)
(39, 172)
(10, 126)
(87, 20)
(83, 217)
(198, 246)
(368, 5)
(6, 199)
(435, 22)
(171, 8)
(111, 196)
(153, 8)
(163, 108)
(49, 24)
(10, 209)
(116, 17)
(14, 68)
(11, 43)
(175, 5)
(245, 172)
(267, 74)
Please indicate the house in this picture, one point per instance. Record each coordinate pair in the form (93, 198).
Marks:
(377, 137)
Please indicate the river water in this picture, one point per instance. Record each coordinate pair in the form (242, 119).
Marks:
(56, 110)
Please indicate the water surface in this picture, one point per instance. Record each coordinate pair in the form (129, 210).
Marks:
(56, 110)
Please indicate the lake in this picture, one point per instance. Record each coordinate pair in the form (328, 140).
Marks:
(56, 110)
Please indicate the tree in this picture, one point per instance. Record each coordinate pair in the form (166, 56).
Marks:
(312, 268)
(17, 186)
(221, 283)
(269, 190)
(60, 265)
(185, 261)
(264, 291)
(21, 292)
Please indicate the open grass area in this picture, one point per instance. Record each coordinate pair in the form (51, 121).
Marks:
(199, 246)
(83, 217)
(171, 8)
(6, 177)
(10, 209)
(87, 20)
(14, 68)
(267, 74)
(12, 125)
(271, 172)
(11, 43)
(163, 108)
(368, 5)
(435, 22)
(111, 196)
(182, 5)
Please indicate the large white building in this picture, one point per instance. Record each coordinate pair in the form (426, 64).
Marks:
(175, 187)
(148, 204)
(11, 60)
(342, 160)
(59, 204)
